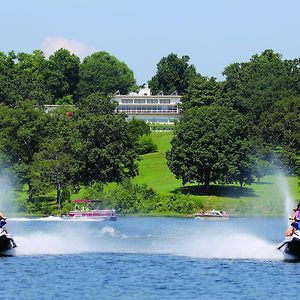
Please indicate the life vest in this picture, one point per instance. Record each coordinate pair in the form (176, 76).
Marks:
(2, 223)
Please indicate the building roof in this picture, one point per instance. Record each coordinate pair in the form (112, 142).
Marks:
(145, 92)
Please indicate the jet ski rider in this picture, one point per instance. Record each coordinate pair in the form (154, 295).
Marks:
(2, 224)
(296, 218)
(2, 220)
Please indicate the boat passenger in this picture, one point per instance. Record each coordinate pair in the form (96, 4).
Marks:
(296, 218)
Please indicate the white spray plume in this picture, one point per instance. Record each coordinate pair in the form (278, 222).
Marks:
(289, 202)
(227, 244)
(7, 198)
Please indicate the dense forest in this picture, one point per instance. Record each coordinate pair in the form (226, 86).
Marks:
(232, 131)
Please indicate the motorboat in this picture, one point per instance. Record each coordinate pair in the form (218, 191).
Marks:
(90, 209)
(7, 243)
(212, 215)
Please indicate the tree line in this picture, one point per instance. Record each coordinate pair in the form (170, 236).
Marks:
(230, 131)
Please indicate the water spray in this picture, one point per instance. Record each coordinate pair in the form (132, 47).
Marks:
(289, 202)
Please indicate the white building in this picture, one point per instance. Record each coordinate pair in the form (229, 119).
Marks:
(150, 108)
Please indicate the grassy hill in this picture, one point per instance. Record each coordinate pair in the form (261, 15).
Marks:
(153, 169)
(267, 197)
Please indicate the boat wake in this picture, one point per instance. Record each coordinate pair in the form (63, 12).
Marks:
(233, 246)
(107, 239)
(40, 243)
(54, 219)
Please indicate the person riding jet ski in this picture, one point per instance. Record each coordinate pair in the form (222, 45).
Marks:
(2, 221)
(295, 221)
(3, 229)
(296, 218)
(291, 245)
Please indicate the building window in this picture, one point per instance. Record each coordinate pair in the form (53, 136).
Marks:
(126, 101)
(152, 101)
(149, 109)
(139, 101)
(164, 101)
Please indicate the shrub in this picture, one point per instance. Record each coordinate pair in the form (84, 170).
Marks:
(146, 145)
(130, 198)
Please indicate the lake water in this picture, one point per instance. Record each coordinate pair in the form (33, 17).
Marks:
(148, 258)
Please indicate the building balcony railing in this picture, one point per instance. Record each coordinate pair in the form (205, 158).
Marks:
(156, 112)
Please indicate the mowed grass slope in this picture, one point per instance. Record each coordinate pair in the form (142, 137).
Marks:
(153, 169)
(267, 197)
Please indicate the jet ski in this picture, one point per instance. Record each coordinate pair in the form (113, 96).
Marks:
(291, 245)
(7, 243)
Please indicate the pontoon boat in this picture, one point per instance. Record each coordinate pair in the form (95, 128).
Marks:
(90, 209)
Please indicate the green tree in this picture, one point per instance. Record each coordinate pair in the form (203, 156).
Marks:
(8, 89)
(29, 77)
(141, 130)
(280, 129)
(252, 87)
(102, 72)
(138, 127)
(280, 125)
(55, 165)
(62, 74)
(109, 150)
(96, 103)
(26, 76)
(53, 168)
(201, 91)
(22, 130)
(21, 78)
(173, 74)
(211, 145)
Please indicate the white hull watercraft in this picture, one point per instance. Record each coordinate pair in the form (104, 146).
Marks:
(212, 215)
(7, 243)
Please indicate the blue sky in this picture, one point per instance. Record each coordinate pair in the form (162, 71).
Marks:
(213, 33)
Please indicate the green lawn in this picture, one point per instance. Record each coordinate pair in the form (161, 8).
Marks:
(153, 169)
(266, 197)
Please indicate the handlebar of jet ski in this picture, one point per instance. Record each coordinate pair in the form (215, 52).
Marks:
(281, 245)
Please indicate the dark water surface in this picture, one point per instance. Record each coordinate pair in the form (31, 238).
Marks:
(148, 258)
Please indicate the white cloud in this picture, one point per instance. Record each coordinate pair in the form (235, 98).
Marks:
(53, 43)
